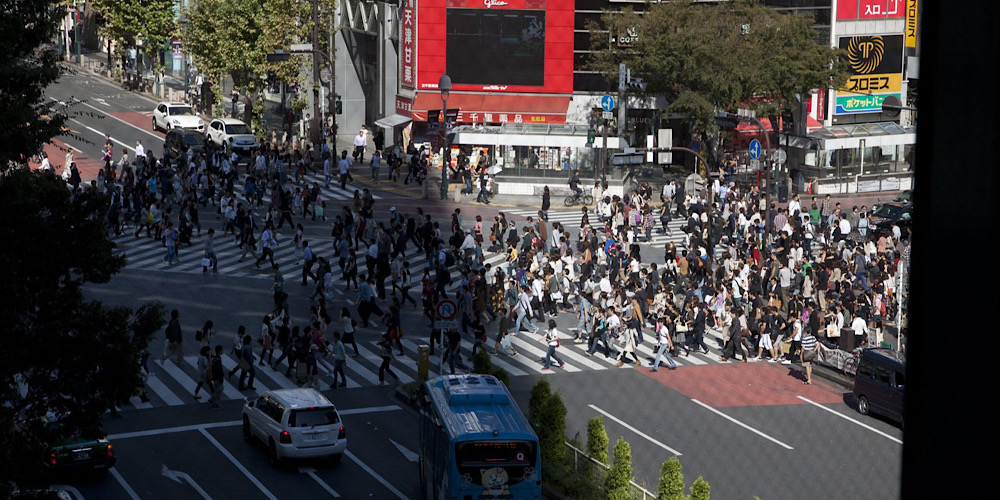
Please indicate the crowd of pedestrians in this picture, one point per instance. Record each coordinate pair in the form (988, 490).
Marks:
(776, 281)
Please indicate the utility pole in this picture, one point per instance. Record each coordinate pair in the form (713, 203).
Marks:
(315, 135)
(76, 30)
(622, 106)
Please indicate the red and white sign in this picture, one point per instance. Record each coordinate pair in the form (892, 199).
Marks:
(408, 40)
(404, 106)
(852, 10)
(497, 4)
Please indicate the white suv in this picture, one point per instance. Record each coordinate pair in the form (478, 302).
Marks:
(295, 423)
(233, 134)
(168, 115)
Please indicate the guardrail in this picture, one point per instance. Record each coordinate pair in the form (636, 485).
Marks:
(582, 462)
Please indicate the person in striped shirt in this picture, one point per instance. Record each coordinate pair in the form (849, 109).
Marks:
(809, 352)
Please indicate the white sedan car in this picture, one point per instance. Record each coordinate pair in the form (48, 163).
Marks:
(169, 115)
(233, 134)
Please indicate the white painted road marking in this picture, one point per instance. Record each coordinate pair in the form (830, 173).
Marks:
(845, 417)
(176, 476)
(121, 480)
(238, 465)
(633, 429)
(370, 471)
(741, 424)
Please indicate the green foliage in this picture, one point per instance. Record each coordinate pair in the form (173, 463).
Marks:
(552, 431)
(671, 486)
(698, 56)
(129, 21)
(540, 393)
(597, 440)
(481, 362)
(72, 357)
(27, 66)
(616, 483)
(700, 489)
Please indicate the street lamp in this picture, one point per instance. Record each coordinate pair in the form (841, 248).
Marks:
(444, 84)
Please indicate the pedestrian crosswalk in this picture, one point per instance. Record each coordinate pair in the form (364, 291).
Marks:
(570, 219)
(144, 253)
(169, 384)
(331, 193)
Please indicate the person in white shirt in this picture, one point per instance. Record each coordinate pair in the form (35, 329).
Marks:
(45, 163)
(267, 240)
(140, 151)
(860, 327)
(360, 143)
(796, 337)
(845, 226)
(794, 206)
(524, 311)
(552, 339)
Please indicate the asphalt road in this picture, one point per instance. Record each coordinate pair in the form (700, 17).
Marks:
(748, 430)
(193, 452)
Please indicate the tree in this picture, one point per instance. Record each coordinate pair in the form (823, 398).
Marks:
(28, 64)
(552, 430)
(707, 58)
(700, 489)
(127, 22)
(597, 440)
(616, 483)
(540, 393)
(61, 353)
(671, 486)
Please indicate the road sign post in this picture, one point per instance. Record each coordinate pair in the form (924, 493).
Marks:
(445, 313)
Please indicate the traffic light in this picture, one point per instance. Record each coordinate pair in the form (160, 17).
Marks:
(339, 106)
(635, 85)
(591, 134)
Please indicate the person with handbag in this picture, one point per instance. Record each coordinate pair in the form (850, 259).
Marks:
(810, 350)
(665, 345)
(552, 339)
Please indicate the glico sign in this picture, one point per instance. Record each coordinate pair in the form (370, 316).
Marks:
(512, 46)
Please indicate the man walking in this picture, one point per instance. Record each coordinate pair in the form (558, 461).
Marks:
(339, 359)
(666, 345)
(345, 167)
(215, 382)
(175, 341)
(210, 252)
(266, 241)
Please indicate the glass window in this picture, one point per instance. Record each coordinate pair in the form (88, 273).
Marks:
(313, 416)
(865, 368)
(882, 375)
(237, 128)
(181, 110)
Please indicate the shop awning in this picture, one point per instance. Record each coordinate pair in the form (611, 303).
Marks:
(391, 121)
(552, 136)
(750, 128)
(495, 108)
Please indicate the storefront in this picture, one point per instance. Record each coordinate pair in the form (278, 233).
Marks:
(511, 67)
(850, 159)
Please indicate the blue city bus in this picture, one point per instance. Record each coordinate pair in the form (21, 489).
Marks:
(475, 443)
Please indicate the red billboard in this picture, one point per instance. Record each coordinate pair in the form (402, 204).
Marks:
(853, 10)
(509, 46)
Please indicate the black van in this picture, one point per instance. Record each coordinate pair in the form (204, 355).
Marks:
(879, 384)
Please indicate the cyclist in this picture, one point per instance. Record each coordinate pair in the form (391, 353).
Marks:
(574, 184)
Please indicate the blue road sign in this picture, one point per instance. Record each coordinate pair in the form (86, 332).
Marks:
(607, 103)
(755, 149)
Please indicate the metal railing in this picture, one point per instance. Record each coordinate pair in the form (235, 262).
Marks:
(582, 462)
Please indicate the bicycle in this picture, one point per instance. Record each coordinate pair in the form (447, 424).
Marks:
(584, 199)
(850, 369)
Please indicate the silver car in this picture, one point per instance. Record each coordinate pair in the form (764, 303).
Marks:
(295, 423)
